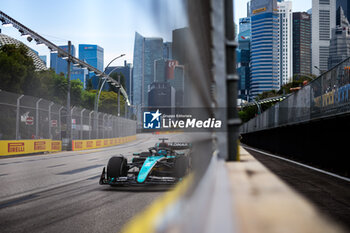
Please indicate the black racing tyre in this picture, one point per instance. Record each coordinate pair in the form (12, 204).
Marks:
(181, 166)
(116, 167)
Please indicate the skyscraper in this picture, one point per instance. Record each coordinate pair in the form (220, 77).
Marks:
(285, 41)
(168, 50)
(244, 24)
(79, 74)
(301, 43)
(181, 38)
(243, 61)
(339, 48)
(345, 4)
(93, 55)
(126, 70)
(146, 51)
(43, 58)
(58, 64)
(264, 46)
(323, 20)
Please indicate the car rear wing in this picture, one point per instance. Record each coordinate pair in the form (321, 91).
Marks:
(180, 145)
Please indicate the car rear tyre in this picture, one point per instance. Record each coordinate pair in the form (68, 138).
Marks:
(116, 167)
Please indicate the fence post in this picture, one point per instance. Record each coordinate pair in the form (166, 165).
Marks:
(97, 129)
(71, 118)
(103, 125)
(18, 116)
(50, 136)
(81, 123)
(90, 125)
(37, 118)
(59, 122)
(109, 126)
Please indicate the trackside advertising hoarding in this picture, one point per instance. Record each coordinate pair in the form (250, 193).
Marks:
(17, 147)
(99, 143)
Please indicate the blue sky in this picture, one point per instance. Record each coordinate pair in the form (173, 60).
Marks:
(109, 23)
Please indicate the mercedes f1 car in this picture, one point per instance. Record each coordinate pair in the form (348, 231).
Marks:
(161, 164)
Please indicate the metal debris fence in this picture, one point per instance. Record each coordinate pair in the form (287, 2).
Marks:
(326, 96)
(27, 117)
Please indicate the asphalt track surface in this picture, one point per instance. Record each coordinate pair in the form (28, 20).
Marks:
(329, 194)
(60, 192)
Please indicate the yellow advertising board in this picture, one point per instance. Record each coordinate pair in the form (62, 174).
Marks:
(99, 143)
(16, 147)
(259, 10)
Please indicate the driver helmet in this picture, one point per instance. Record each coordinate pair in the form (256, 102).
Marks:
(163, 144)
(162, 152)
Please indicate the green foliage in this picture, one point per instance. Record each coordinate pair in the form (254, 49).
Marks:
(248, 113)
(109, 103)
(16, 68)
(17, 74)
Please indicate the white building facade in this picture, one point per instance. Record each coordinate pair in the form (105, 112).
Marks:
(323, 20)
(285, 47)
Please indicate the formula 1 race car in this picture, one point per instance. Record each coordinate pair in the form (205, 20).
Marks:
(161, 164)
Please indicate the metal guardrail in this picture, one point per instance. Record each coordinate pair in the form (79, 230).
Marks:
(325, 96)
(27, 117)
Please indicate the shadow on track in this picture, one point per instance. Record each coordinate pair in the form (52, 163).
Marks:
(139, 188)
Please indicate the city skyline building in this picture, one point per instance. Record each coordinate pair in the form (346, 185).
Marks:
(93, 55)
(301, 43)
(81, 74)
(173, 73)
(285, 49)
(248, 9)
(168, 50)
(161, 95)
(264, 47)
(126, 71)
(244, 24)
(58, 64)
(146, 51)
(243, 64)
(43, 58)
(345, 4)
(339, 48)
(323, 20)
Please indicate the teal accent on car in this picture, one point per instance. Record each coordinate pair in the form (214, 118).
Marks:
(147, 167)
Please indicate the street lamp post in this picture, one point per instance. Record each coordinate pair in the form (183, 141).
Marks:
(258, 105)
(321, 72)
(99, 92)
(97, 96)
(69, 115)
(119, 95)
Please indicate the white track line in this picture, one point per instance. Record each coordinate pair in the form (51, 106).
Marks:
(300, 164)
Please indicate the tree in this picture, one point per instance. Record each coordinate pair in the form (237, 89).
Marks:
(16, 68)
(17, 74)
(109, 103)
